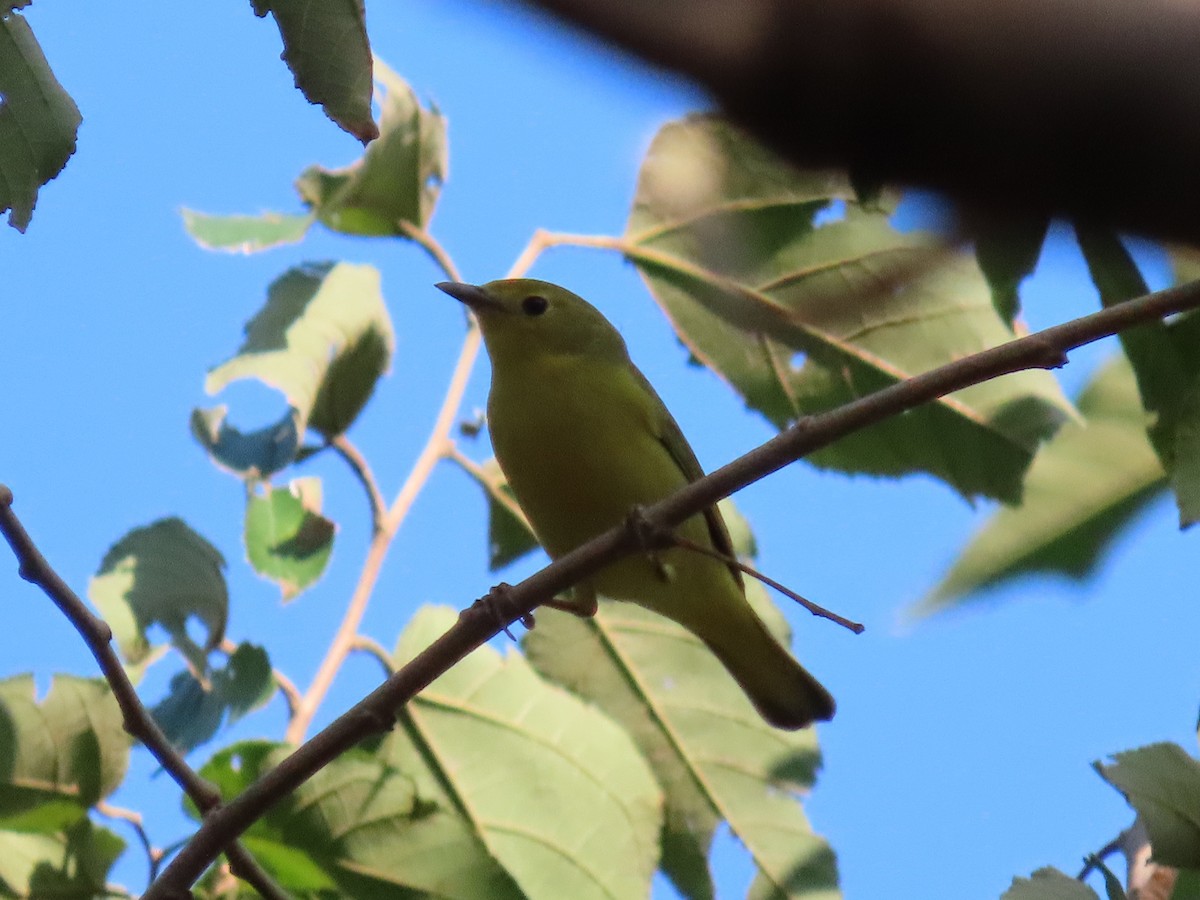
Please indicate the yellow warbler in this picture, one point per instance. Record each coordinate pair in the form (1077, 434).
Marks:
(583, 438)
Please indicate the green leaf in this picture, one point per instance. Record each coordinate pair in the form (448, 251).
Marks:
(509, 534)
(1048, 884)
(58, 757)
(576, 813)
(1162, 782)
(325, 45)
(287, 538)
(38, 121)
(1084, 487)
(397, 180)
(1007, 250)
(730, 242)
(193, 710)
(323, 340)
(359, 828)
(245, 234)
(1166, 360)
(1187, 885)
(162, 573)
(70, 865)
(689, 718)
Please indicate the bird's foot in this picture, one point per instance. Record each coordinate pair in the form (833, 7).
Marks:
(650, 538)
(499, 603)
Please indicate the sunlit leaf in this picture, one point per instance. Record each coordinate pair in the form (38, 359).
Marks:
(325, 45)
(38, 120)
(576, 813)
(397, 180)
(690, 719)
(70, 865)
(245, 234)
(162, 573)
(323, 340)
(1162, 782)
(58, 757)
(287, 538)
(757, 263)
(1085, 486)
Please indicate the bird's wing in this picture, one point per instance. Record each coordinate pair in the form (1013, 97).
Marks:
(669, 434)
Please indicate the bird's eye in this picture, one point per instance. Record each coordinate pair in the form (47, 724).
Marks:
(534, 305)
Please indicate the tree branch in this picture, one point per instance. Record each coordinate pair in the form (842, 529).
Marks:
(1084, 108)
(477, 624)
(34, 568)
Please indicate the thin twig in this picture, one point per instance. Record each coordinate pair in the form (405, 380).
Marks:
(34, 568)
(813, 608)
(1093, 860)
(132, 818)
(366, 477)
(476, 471)
(430, 245)
(372, 647)
(478, 624)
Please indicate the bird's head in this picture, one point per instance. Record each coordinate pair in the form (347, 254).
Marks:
(524, 317)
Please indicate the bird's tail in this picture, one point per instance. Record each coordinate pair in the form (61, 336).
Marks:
(781, 689)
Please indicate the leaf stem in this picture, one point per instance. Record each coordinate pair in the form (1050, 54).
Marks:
(358, 464)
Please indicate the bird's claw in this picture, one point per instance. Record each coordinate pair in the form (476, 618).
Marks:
(499, 603)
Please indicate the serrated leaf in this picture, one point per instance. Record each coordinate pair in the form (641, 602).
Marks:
(730, 242)
(58, 757)
(577, 811)
(1085, 486)
(1162, 782)
(287, 538)
(1048, 884)
(397, 180)
(245, 234)
(1166, 361)
(38, 121)
(70, 865)
(193, 710)
(162, 573)
(1007, 250)
(359, 828)
(323, 340)
(690, 719)
(325, 45)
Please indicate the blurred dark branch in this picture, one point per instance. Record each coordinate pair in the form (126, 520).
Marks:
(1088, 109)
(375, 714)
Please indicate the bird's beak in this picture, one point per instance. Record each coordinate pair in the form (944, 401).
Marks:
(472, 295)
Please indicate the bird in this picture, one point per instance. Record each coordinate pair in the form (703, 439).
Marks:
(583, 439)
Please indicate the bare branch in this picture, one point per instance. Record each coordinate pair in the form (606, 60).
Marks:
(34, 568)
(477, 624)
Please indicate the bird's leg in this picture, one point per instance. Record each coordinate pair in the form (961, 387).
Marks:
(498, 602)
(582, 602)
(650, 539)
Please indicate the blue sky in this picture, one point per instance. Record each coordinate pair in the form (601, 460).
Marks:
(962, 745)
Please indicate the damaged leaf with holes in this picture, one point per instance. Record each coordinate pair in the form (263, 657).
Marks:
(323, 340)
